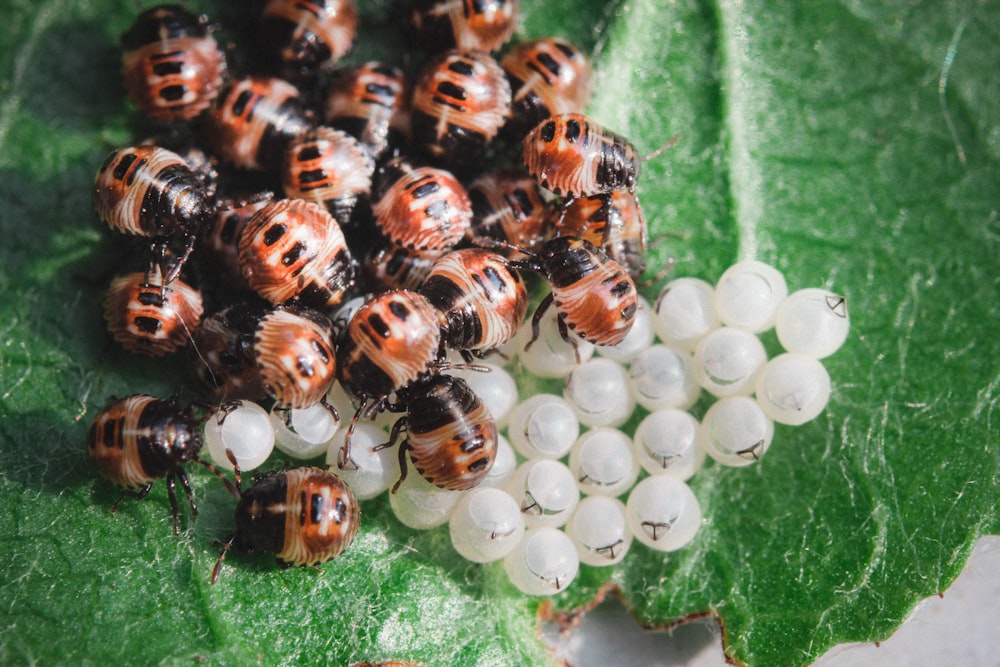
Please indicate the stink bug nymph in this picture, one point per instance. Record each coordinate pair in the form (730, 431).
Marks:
(171, 65)
(139, 439)
(593, 294)
(451, 436)
(571, 155)
(304, 516)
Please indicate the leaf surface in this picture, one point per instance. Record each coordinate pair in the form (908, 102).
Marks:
(854, 145)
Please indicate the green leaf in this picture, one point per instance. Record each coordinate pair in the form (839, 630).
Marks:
(852, 144)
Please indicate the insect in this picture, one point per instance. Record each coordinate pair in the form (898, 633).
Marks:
(613, 223)
(171, 65)
(388, 266)
(482, 25)
(253, 119)
(372, 103)
(392, 340)
(422, 208)
(294, 249)
(304, 516)
(451, 438)
(203, 165)
(593, 295)
(331, 168)
(224, 357)
(222, 237)
(293, 350)
(481, 297)
(508, 205)
(152, 192)
(461, 99)
(571, 155)
(146, 315)
(139, 439)
(547, 77)
(306, 36)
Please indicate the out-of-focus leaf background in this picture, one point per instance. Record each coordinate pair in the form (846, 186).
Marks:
(854, 145)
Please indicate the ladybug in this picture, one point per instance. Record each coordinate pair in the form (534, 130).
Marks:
(303, 37)
(221, 239)
(388, 266)
(508, 205)
(172, 67)
(593, 294)
(304, 516)
(481, 25)
(152, 192)
(147, 316)
(294, 249)
(372, 103)
(222, 352)
(547, 77)
(139, 439)
(571, 155)
(461, 99)
(421, 208)
(451, 437)
(252, 121)
(482, 298)
(613, 223)
(331, 168)
(294, 353)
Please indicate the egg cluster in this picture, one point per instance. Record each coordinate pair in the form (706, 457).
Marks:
(563, 489)
(347, 282)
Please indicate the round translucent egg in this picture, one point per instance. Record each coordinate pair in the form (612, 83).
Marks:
(603, 463)
(546, 492)
(639, 337)
(486, 525)
(813, 322)
(307, 432)
(598, 391)
(735, 431)
(666, 443)
(663, 513)
(244, 428)
(748, 294)
(662, 377)
(370, 472)
(727, 361)
(419, 504)
(543, 426)
(793, 388)
(503, 466)
(550, 356)
(685, 312)
(599, 530)
(495, 388)
(544, 562)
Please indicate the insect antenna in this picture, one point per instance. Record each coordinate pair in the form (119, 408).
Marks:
(449, 365)
(226, 546)
(656, 153)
